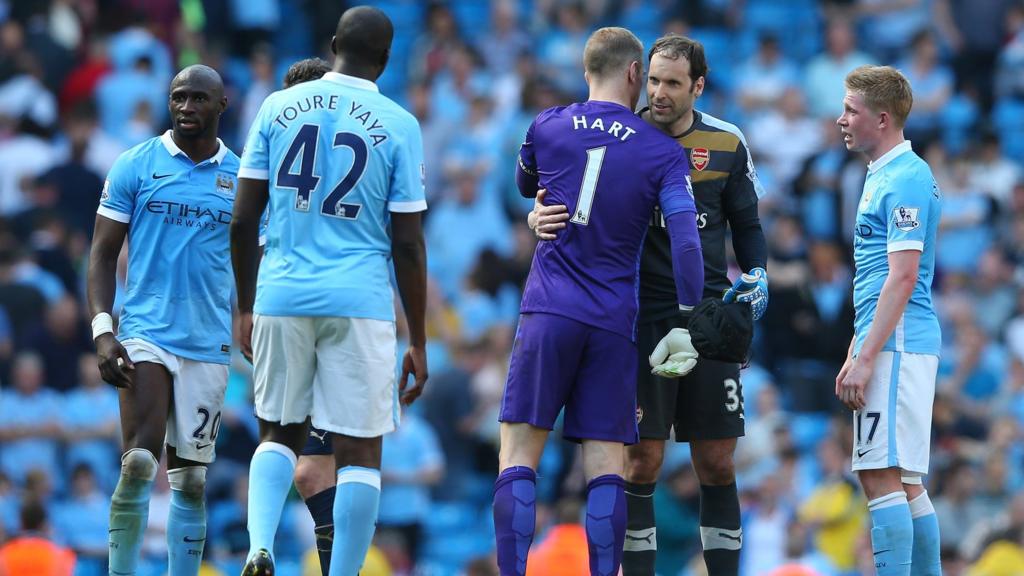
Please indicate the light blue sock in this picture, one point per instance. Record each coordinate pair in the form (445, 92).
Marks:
(186, 521)
(926, 559)
(129, 510)
(892, 534)
(355, 518)
(270, 480)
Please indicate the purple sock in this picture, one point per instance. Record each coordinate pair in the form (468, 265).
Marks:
(515, 517)
(606, 523)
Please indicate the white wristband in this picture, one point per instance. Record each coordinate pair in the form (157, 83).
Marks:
(102, 324)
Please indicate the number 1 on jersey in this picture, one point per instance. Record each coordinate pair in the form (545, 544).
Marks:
(591, 174)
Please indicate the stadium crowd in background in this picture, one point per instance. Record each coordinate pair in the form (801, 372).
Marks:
(81, 81)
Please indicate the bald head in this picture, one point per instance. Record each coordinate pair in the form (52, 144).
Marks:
(363, 38)
(196, 102)
(201, 77)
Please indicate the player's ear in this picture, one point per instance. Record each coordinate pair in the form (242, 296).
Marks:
(884, 120)
(334, 50)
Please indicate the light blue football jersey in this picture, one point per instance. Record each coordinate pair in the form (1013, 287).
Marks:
(339, 157)
(180, 284)
(899, 210)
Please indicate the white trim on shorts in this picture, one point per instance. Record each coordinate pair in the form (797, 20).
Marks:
(339, 372)
(894, 428)
(193, 419)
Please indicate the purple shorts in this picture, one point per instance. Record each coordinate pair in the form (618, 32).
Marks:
(556, 362)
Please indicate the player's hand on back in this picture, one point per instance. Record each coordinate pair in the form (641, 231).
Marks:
(414, 363)
(245, 334)
(116, 367)
(546, 221)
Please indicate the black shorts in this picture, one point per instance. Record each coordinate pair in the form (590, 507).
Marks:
(706, 404)
(318, 443)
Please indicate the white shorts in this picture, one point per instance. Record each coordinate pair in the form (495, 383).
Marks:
(340, 372)
(193, 420)
(894, 428)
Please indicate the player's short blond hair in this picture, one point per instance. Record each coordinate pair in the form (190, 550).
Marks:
(884, 89)
(610, 50)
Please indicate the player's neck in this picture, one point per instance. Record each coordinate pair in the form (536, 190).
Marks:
(887, 143)
(680, 126)
(604, 94)
(199, 148)
(355, 70)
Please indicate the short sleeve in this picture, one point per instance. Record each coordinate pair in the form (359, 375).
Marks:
(409, 176)
(907, 205)
(117, 201)
(676, 192)
(255, 163)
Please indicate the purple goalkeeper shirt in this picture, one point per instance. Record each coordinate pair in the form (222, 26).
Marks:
(610, 168)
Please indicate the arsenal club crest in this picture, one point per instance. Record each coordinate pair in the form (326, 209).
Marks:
(700, 157)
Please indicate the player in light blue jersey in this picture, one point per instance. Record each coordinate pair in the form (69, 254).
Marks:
(171, 197)
(888, 378)
(341, 167)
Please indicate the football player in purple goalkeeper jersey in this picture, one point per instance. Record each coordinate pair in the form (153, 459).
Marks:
(576, 342)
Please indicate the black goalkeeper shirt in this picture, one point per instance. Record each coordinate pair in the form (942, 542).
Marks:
(724, 183)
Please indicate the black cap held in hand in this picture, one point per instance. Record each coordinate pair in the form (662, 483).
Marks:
(721, 331)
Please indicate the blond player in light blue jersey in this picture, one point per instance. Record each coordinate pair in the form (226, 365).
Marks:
(341, 168)
(888, 378)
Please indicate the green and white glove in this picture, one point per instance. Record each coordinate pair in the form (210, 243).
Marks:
(674, 356)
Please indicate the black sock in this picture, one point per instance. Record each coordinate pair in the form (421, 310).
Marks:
(720, 531)
(321, 508)
(641, 537)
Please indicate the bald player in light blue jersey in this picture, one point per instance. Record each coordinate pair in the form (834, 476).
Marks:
(342, 169)
(889, 375)
(171, 198)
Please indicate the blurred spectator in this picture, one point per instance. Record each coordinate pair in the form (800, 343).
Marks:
(23, 157)
(824, 92)
(957, 506)
(262, 83)
(973, 30)
(677, 500)
(81, 519)
(932, 83)
(786, 122)
(764, 77)
(506, 42)
(802, 559)
(30, 416)
(433, 48)
(132, 99)
(562, 47)
(765, 517)
(835, 510)
(963, 230)
(92, 424)
(890, 25)
(562, 551)
(411, 463)
(993, 173)
(994, 295)
(33, 552)
(64, 336)
(1009, 74)
(253, 23)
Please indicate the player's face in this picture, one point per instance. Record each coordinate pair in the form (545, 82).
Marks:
(859, 125)
(194, 109)
(671, 92)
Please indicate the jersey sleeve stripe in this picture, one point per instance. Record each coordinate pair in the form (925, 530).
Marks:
(253, 173)
(114, 215)
(411, 206)
(905, 245)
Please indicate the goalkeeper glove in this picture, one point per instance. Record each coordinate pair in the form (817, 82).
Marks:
(674, 356)
(751, 287)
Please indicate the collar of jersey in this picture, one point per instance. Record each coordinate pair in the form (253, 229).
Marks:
(889, 156)
(173, 149)
(352, 81)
